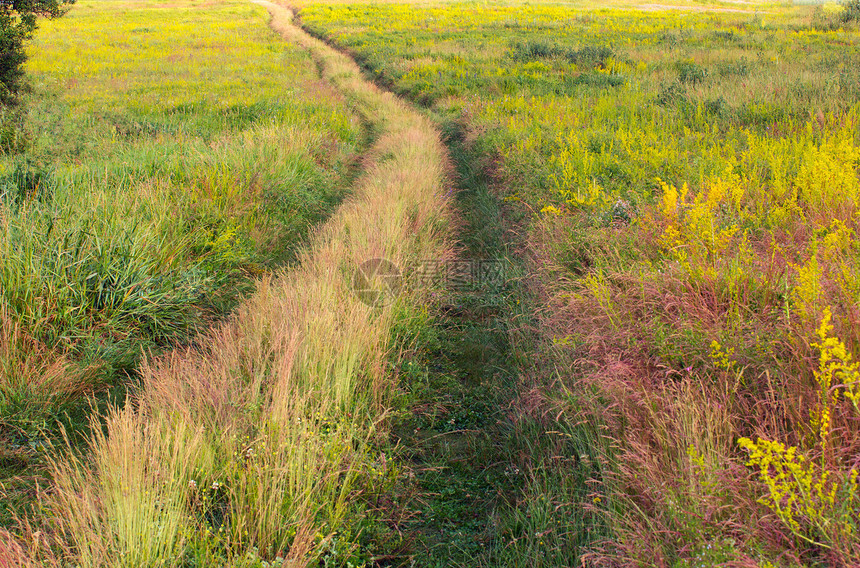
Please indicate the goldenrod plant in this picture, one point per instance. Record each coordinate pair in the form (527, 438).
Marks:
(688, 175)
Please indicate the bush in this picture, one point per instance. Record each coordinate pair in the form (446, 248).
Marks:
(670, 94)
(17, 22)
(691, 74)
(590, 55)
(586, 56)
(534, 50)
(851, 11)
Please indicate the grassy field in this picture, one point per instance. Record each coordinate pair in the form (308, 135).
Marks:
(684, 181)
(178, 155)
(171, 154)
(665, 377)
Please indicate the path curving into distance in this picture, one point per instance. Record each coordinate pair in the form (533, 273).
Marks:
(460, 443)
(252, 443)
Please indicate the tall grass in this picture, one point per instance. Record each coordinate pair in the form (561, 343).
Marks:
(34, 375)
(691, 187)
(253, 444)
(154, 185)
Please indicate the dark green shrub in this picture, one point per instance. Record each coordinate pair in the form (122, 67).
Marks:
(691, 74)
(534, 50)
(717, 107)
(851, 11)
(739, 68)
(671, 94)
(590, 55)
(587, 56)
(17, 22)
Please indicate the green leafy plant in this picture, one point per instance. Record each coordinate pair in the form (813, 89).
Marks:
(17, 23)
(851, 11)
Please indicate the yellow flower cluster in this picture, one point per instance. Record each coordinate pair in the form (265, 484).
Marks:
(800, 489)
(796, 486)
(695, 234)
(734, 193)
(721, 357)
(837, 371)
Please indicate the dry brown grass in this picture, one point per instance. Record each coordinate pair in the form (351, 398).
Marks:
(32, 374)
(672, 470)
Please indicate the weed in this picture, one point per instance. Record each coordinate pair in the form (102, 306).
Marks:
(689, 73)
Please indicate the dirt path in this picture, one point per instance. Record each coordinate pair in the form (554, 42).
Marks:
(379, 107)
(455, 443)
(300, 354)
(460, 439)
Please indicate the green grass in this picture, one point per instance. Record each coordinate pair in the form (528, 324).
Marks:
(689, 183)
(471, 446)
(252, 444)
(681, 184)
(457, 383)
(155, 183)
(171, 154)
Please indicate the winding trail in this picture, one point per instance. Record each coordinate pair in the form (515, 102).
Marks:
(274, 410)
(384, 110)
(458, 439)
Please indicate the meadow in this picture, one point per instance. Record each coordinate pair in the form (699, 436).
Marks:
(683, 182)
(170, 155)
(667, 377)
(164, 165)
(189, 376)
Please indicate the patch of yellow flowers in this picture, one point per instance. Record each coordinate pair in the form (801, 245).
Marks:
(803, 491)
